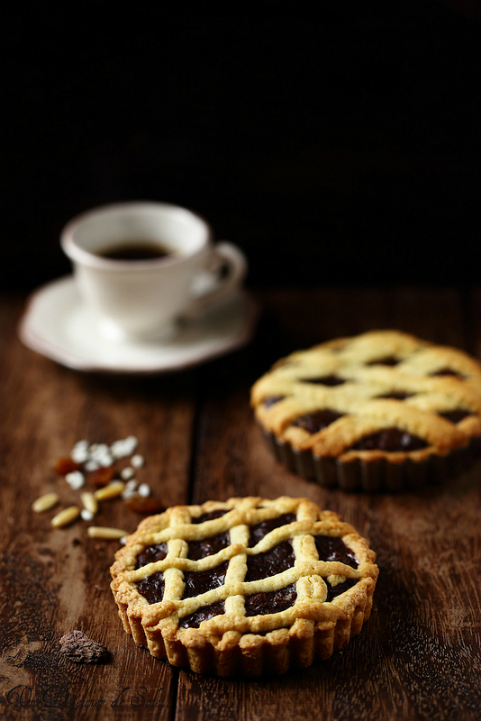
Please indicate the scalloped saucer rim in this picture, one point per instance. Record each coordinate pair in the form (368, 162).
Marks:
(57, 324)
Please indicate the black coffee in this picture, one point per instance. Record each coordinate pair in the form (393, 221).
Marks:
(135, 251)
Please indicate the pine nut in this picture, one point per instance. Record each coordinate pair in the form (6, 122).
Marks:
(113, 490)
(65, 517)
(45, 502)
(111, 534)
(89, 502)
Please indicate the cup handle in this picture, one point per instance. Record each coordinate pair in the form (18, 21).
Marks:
(209, 290)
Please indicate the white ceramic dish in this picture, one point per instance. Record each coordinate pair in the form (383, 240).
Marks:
(59, 325)
(140, 298)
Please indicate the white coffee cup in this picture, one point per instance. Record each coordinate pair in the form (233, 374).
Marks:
(142, 298)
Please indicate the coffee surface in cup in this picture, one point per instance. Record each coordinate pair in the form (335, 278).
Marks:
(131, 250)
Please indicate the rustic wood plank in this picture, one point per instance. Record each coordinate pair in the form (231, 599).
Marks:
(58, 580)
(415, 659)
(418, 656)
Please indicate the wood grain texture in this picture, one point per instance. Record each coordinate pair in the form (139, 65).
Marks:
(58, 580)
(418, 656)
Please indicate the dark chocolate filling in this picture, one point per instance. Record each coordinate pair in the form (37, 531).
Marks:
(388, 360)
(447, 372)
(202, 614)
(272, 400)
(152, 587)
(330, 380)
(261, 529)
(397, 396)
(262, 565)
(315, 422)
(284, 362)
(208, 546)
(391, 440)
(198, 582)
(271, 601)
(334, 549)
(274, 561)
(456, 416)
(150, 554)
(209, 516)
(333, 591)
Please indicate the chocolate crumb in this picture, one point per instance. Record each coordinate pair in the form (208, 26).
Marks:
(78, 647)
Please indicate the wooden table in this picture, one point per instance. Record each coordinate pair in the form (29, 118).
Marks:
(419, 655)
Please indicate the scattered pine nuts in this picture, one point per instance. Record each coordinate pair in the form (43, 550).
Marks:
(107, 533)
(113, 490)
(65, 517)
(89, 502)
(97, 465)
(45, 502)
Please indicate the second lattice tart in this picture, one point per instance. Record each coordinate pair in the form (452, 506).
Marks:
(382, 410)
(247, 586)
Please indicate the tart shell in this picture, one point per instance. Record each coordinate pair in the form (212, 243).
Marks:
(234, 654)
(377, 474)
(376, 383)
(227, 645)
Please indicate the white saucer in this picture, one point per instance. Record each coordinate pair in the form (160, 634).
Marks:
(59, 325)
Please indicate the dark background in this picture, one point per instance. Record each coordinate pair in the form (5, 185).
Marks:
(334, 142)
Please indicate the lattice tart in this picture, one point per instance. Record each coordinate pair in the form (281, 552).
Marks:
(381, 410)
(247, 586)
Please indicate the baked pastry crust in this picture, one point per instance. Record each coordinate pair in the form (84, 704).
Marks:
(371, 384)
(297, 608)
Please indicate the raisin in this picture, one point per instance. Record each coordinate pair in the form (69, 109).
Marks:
(65, 465)
(102, 476)
(139, 504)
